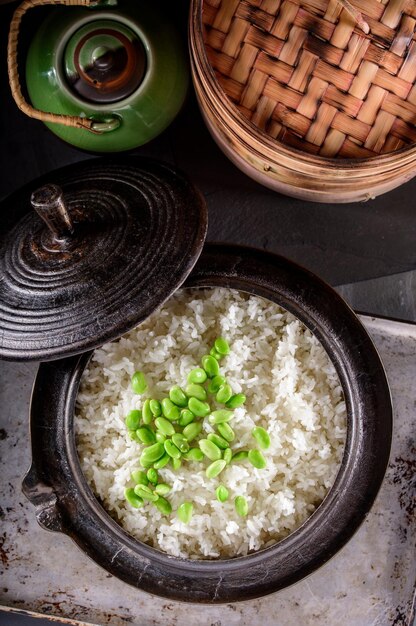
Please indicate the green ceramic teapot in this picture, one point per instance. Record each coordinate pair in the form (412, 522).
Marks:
(105, 76)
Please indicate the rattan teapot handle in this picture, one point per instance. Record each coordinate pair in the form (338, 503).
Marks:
(66, 120)
(361, 23)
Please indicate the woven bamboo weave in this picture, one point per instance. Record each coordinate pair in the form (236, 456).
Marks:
(303, 71)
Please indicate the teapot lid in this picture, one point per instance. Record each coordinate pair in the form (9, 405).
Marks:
(117, 238)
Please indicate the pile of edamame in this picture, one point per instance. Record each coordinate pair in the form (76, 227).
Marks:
(169, 429)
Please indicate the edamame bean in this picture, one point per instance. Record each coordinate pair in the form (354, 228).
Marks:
(217, 356)
(192, 430)
(215, 468)
(184, 512)
(155, 408)
(176, 463)
(186, 418)
(215, 383)
(147, 414)
(171, 449)
(139, 477)
(194, 454)
(221, 346)
(221, 416)
(235, 401)
(132, 498)
(180, 442)
(165, 426)
(133, 419)
(160, 437)
(196, 391)
(219, 441)
(152, 454)
(257, 459)
(224, 393)
(241, 455)
(170, 410)
(221, 493)
(146, 435)
(227, 455)
(210, 366)
(163, 505)
(198, 408)
(146, 493)
(241, 506)
(226, 431)
(132, 435)
(262, 437)
(162, 489)
(138, 382)
(197, 375)
(210, 450)
(164, 460)
(178, 397)
(152, 475)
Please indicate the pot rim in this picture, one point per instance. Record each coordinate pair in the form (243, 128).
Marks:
(56, 485)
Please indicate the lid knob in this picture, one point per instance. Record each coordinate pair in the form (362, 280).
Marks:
(48, 202)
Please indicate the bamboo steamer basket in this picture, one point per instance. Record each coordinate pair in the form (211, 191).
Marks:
(302, 99)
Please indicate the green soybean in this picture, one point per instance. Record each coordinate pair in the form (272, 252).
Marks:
(215, 468)
(132, 435)
(221, 493)
(241, 506)
(180, 442)
(226, 431)
(194, 454)
(198, 408)
(139, 477)
(184, 512)
(171, 449)
(210, 366)
(241, 455)
(155, 407)
(215, 383)
(152, 475)
(227, 455)
(147, 414)
(152, 454)
(164, 460)
(132, 498)
(146, 493)
(170, 410)
(186, 418)
(235, 401)
(193, 390)
(219, 441)
(138, 382)
(178, 397)
(165, 426)
(192, 430)
(210, 450)
(217, 356)
(221, 416)
(197, 375)
(262, 437)
(221, 346)
(224, 393)
(146, 435)
(163, 505)
(160, 437)
(176, 463)
(162, 489)
(133, 419)
(257, 459)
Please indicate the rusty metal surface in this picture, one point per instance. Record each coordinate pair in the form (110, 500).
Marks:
(369, 583)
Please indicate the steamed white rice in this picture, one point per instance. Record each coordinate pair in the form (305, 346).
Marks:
(292, 391)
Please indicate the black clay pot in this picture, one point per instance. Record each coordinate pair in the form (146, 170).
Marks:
(65, 503)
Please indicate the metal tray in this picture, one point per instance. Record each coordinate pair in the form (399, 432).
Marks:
(371, 582)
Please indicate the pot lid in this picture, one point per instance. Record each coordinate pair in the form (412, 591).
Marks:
(117, 237)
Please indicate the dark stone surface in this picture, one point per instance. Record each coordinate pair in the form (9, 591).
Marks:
(341, 243)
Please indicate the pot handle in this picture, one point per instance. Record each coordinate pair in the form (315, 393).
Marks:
(44, 499)
(66, 120)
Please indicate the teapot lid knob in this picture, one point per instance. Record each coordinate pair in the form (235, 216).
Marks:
(48, 202)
